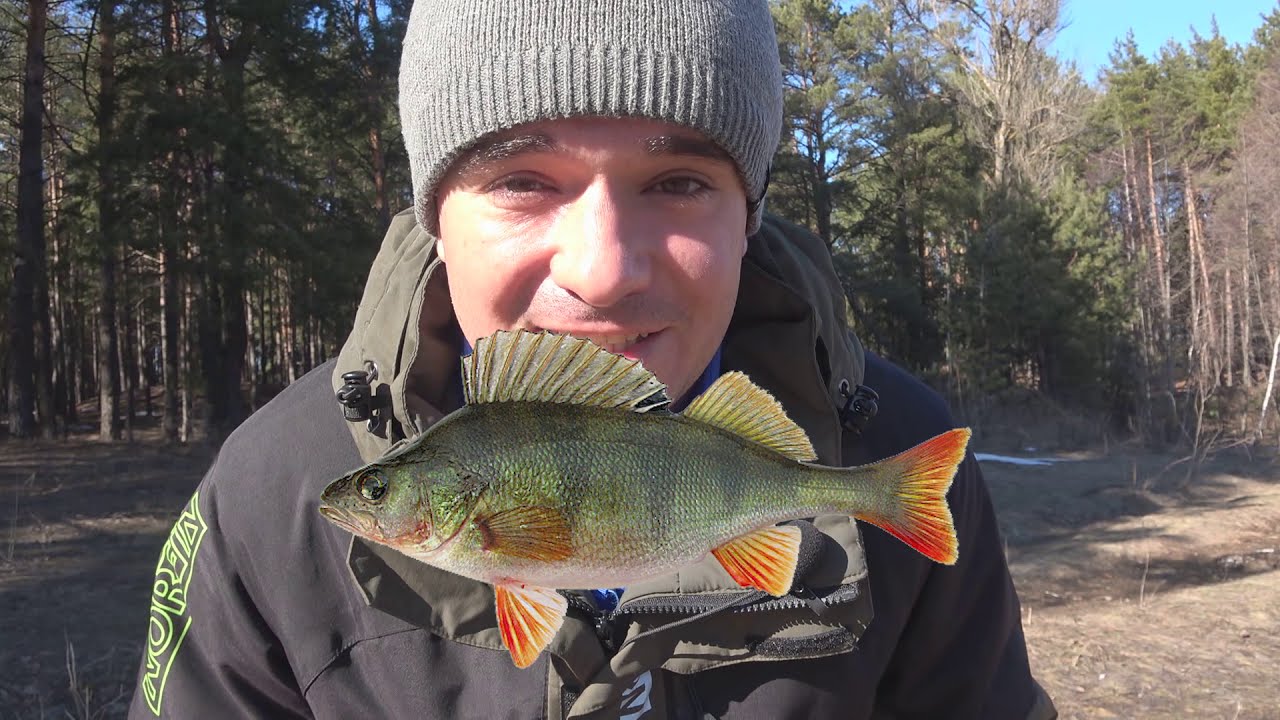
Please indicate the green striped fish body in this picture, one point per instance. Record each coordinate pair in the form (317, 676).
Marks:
(642, 494)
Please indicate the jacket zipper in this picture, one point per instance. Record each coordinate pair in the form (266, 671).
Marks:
(802, 597)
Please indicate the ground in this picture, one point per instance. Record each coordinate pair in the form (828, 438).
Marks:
(1148, 590)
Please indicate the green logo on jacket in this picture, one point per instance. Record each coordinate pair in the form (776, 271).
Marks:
(169, 618)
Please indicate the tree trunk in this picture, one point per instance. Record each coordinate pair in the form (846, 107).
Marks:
(28, 319)
(184, 358)
(225, 356)
(171, 267)
(1246, 330)
(170, 313)
(1228, 327)
(1164, 333)
(235, 334)
(255, 365)
(127, 365)
(378, 154)
(1204, 331)
(108, 339)
(60, 330)
(1250, 273)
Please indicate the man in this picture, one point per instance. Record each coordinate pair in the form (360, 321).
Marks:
(598, 169)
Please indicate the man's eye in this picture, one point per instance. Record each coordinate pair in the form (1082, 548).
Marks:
(685, 186)
(518, 185)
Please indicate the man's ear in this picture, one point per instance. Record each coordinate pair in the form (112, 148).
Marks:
(439, 240)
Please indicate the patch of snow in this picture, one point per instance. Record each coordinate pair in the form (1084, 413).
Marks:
(989, 457)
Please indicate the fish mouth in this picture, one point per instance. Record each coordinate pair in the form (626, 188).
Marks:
(357, 521)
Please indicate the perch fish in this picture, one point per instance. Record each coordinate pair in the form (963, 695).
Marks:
(565, 469)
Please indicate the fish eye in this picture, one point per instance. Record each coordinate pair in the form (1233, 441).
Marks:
(372, 486)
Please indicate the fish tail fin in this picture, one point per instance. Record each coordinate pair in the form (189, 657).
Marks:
(919, 515)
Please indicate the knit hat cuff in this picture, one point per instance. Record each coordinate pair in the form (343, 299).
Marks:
(487, 93)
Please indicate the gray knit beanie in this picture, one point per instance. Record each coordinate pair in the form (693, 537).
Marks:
(474, 67)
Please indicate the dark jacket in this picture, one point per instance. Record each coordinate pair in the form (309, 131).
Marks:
(264, 609)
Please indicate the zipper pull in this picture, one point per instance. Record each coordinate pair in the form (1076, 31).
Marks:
(605, 632)
(811, 599)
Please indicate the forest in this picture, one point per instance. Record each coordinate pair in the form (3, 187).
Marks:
(191, 192)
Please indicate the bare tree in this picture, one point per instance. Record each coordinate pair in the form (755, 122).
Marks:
(1022, 103)
(1245, 230)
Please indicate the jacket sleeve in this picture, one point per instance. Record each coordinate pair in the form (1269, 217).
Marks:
(961, 653)
(208, 651)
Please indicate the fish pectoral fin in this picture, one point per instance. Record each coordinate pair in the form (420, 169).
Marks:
(735, 404)
(764, 559)
(528, 618)
(535, 532)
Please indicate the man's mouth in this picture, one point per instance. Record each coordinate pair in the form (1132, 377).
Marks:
(616, 343)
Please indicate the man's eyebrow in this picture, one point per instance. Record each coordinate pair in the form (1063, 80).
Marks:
(504, 147)
(685, 145)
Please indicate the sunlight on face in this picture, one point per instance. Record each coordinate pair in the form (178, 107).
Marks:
(628, 232)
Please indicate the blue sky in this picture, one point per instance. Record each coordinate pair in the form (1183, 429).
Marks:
(1095, 25)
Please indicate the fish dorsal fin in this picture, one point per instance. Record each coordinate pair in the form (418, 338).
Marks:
(735, 404)
(522, 366)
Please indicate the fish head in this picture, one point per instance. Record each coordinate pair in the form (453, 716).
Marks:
(384, 504)
(415, 506)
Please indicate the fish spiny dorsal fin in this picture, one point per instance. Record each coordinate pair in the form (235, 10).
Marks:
(522, 366)
(737, 405)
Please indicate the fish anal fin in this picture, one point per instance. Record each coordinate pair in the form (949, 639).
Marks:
(523, 366)
(529, 531)
(764, 559)
(735, 404)
(528, 619)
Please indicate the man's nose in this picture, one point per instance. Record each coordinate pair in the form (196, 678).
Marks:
(601, 256)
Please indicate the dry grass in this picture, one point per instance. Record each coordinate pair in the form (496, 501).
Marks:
(81, 689)
(1145, 596)
(82, 525)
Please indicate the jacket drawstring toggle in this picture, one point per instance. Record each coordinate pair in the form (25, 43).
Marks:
(360, 401)
(859, 407)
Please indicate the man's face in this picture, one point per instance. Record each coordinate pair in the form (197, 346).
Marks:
(627, 232)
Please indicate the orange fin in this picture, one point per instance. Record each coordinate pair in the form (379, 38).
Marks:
(764, 559)
(531, 531)
(923, 475)
(528, 618)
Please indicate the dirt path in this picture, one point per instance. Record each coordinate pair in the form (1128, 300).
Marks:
(1144, 596)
